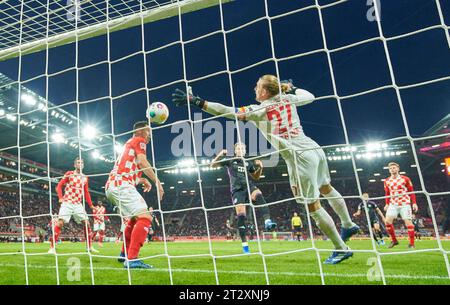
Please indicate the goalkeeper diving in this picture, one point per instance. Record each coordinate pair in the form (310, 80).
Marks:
(277, 118)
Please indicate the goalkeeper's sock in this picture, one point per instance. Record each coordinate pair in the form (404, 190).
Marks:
(242, 228)
(127, 235)
(57, 230)
(138, 236)
(411, 234)
(391, 231)
(326, 224)
(339, 206)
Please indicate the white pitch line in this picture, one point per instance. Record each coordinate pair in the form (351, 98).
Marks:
(309, 274)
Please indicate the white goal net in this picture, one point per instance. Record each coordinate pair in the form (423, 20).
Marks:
(75, 76)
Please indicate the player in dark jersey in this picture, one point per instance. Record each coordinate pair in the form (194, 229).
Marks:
(237, 169)
(154, 225)
(373, 211)
(418, 223)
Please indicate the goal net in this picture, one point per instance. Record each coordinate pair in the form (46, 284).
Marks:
(75, 75)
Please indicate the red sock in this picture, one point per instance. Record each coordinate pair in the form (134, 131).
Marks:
(411, 234)
(391, 231)
(138, 237)
(94, 233)
(102, 235)
(57, 230)
(88, 234)
(127, 234)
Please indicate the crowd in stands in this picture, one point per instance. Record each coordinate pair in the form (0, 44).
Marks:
(185, 214)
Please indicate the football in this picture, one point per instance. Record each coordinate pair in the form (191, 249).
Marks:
(158, 113)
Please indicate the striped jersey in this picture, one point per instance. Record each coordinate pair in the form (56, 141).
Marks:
(126, 169)
(75, 185)
(396, 189)
(99, 214)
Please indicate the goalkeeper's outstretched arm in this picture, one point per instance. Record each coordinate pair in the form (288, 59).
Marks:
(299, 97)
(180, 98)
(303, 97)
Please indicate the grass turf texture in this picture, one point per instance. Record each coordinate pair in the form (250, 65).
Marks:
(288, 269)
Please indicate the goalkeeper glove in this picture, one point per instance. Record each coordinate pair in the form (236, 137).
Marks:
(292, 88)
(180, 99)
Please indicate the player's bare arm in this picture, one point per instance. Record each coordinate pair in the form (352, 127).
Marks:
(381, 215)
(146, 185)
(257, 174)
(148, 171)
(220, 156)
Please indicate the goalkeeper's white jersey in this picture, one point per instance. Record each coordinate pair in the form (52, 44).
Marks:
(278, 121)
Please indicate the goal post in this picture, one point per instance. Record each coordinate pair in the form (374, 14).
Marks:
(94, 29)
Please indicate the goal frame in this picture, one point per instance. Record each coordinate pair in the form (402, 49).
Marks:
(109, 26)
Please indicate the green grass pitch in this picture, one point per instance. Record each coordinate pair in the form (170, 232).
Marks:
(289, 269)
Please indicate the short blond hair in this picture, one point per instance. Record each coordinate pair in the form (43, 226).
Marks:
(272, 84)
(239, 143)
(393, 163)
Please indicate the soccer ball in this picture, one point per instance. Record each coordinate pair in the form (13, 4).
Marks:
(158, 113)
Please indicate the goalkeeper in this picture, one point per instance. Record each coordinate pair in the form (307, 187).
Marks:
(277, 119)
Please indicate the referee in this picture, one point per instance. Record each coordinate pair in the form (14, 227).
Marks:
(297, 225)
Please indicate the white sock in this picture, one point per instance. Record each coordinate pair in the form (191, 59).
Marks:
(339, 206)
(326, 224)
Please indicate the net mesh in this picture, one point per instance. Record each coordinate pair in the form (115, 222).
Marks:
(25, 22)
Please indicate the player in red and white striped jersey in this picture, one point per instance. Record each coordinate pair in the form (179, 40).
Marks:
(99, 212)
(76, 189)
(121, 190)
(399, 202)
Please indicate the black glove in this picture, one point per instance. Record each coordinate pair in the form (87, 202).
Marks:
(289, 82)
(180, 99)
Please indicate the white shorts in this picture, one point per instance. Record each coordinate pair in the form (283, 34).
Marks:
(67, 210)
(313, 172)
(99, 227)
(405, 211)
(127, 198)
